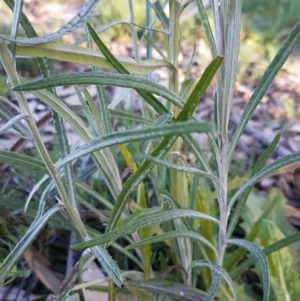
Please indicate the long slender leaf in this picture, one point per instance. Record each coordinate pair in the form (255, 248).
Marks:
(263, 172)
(11, 123)
(73, 24)
(142, 222)
(166, 288)
(262, 260)
(172, 235)
(165, 145)
(216, 268)
(268, 250)
(108, 264)
(75, 54)
(280, 58)
(184, 168)
(23, 161)
(6, 116)
(207, 28)
(135, 135)
(261, 162)
(11, 260)
(159, 11)
(15, 24)
(140, 84)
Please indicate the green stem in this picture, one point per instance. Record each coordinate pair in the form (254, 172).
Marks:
(8, 65)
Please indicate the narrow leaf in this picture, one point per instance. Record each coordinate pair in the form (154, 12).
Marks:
(217, 269)
(172, 235)
(73, 24)
(11, 260)
(140, 223)
(277, 63)
(76, 54)
(7, 116)
(184, 168)
(108, 264)
(262, 260)
(268, 250)
(174, 290)
(23, 161)
(207, 28)
(199, 89)
(263, 172)
(259, 165)
(140, 84)
(147, 95)
(159, 11)
(134, 135)
(164, 146)
(11, 123)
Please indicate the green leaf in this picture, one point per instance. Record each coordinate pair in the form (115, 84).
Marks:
(263, 172)
(283, 270)
(11, 123)
(140, 84)
(31, 234)
(277, 63)
(184, 168)
(173, 290)
(259, 165)
(141, 222)
(268, 250)
(7, 116)
(75, 54)
(159, 11)
(207, 28)
(73, 24)
(231, 55)
(262, 260)
(147, 95)
(108, 264)
(216, 269)
(134, 135)
(166, 144)
(15, 24)
(23, 161)
(171, 235)
(199, 89)
(152, 43)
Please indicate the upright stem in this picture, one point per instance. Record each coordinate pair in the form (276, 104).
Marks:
(222, 198)
(133, 32)
(174, 44)
(218, 7)
(8, 65)
(173, 51)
